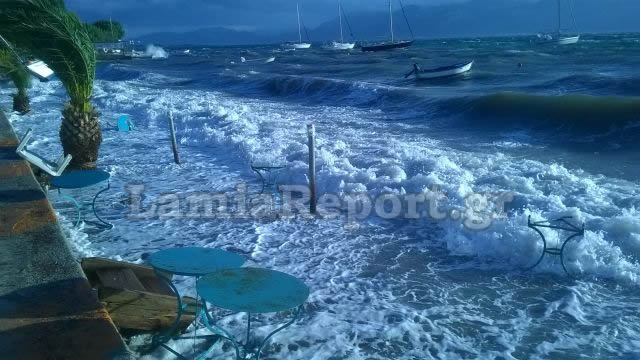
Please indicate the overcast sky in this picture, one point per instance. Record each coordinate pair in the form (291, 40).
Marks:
(145, 16)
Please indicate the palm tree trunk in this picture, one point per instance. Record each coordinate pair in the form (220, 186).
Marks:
(21, 102)
(81, 136)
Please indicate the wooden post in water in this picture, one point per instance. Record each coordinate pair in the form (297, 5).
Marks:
(311, 132)
(174, 143)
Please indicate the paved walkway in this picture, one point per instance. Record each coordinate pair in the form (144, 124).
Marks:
(47, 308)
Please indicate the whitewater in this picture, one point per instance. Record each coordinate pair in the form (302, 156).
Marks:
(557, 127)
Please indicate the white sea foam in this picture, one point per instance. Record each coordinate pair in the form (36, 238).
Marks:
(391, 290)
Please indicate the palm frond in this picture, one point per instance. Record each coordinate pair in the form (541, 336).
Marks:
(55, 36)
(12, 67)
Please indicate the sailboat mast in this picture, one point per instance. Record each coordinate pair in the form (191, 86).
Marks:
(391, 20)
(299, 29)
(340, 20)
(559, 16)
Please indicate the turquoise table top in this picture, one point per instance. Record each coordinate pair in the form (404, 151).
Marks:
(194, 261)
(80, 179)
(252, 290)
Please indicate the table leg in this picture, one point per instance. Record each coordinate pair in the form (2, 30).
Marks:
(93, 206)
(72, 200)
(225, 335)
(261, 178)
(264, 342)
(562, 252)
(163, 338)
(209, 324)
(544, 249)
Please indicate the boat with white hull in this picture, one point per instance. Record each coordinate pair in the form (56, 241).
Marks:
(299, 44)
(560, 38)
(342, 45)
(568, 40)
(440, 72)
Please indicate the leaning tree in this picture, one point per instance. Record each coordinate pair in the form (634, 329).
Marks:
(13, 68)
(52, 34)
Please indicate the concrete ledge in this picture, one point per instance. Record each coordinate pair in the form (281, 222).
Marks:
(47, 307)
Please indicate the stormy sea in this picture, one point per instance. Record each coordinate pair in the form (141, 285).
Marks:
(557, 127)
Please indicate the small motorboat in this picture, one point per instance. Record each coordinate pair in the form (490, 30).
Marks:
(264, 60)
(440, 72)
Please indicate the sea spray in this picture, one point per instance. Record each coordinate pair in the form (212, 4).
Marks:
(156, 52)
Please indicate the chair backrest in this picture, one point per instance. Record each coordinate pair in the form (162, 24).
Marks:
(123, 124)
(24, 141)
(40, 70)
(52, 169)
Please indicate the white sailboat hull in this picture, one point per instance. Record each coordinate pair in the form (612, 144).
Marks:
(342, 45)
(297, 46)
(443, 72)
(568, 40)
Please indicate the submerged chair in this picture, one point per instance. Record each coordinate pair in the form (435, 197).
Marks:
(53, 169)
(124, 124)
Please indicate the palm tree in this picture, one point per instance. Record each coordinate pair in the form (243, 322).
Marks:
(59, 38)
(21, 78)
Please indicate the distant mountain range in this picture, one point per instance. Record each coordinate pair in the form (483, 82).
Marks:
(473, 18)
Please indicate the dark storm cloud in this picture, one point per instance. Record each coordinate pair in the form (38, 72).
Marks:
(461, 17)
(141, 16)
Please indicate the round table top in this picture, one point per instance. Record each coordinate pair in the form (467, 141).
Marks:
(194, 261)
(80, 179)
(252, 290)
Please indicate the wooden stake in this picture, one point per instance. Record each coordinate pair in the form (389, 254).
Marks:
(311, 132)
(174, 143)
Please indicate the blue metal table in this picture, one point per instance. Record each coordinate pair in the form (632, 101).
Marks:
(266, 174)
(79, 180)
(557, 250)
(188, 261)
(251, 290)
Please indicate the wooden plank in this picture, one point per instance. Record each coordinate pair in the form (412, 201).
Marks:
(145, 311)
(91, 264)
(120, 279)
(156, 285)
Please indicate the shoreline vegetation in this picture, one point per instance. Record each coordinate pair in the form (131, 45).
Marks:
(105, 31)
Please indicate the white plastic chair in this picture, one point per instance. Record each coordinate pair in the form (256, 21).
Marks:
(53, 169)
(36, 67)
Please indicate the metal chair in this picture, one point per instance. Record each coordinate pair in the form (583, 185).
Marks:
(51, 168)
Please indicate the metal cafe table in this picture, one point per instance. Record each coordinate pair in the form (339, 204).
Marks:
(266, 174)
(188, 261)
(83, 179)
(250, 290)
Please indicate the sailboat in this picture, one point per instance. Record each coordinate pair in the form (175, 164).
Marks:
(299, 44)
(393, 44)
(341, 45)
(559, 38)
